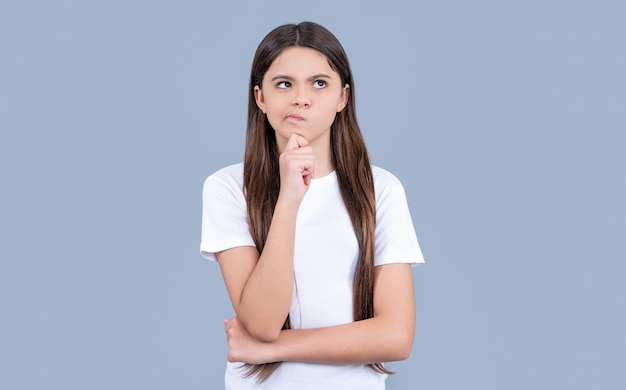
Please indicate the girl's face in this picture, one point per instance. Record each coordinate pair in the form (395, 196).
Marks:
(302, 94)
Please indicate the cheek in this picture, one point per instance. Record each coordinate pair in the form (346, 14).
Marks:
(274, 106)
(329, 112)
(270, 110)
(274, 117)
(324, 122)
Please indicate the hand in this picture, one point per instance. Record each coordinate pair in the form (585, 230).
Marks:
(297, 163)
(244, 348)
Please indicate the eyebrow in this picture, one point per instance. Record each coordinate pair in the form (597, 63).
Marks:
(289, 78)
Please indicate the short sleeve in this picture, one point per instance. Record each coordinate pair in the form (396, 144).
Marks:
(224, 216)
(396, 241)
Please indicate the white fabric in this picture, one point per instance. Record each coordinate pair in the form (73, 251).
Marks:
(325, 257)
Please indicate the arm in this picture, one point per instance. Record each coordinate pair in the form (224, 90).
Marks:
(386, 337)
(260, 285)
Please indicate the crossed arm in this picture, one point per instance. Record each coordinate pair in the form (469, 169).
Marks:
(260, 291)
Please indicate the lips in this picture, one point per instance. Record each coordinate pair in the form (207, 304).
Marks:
(295, 118)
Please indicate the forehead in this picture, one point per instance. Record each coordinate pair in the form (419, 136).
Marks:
(300, 61)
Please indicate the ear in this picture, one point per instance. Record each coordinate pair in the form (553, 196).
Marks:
(343, 100)
(258, 97)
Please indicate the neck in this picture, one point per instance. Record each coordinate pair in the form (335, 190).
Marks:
(323, 164)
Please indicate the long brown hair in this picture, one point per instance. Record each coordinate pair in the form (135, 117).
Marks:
(349, 157)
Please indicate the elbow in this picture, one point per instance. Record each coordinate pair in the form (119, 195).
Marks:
(266, 337)
(404, 351)
(264, 333)
(262, 328)
(402, 346)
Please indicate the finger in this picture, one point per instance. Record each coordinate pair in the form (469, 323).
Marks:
(303, 164)
(300, 151)
(296, 141)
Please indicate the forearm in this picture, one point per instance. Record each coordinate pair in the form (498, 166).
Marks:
(386, 337)
(362, 342)
(266, 297)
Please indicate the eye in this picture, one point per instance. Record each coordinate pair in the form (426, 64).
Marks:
(283, 84)
(319, 84)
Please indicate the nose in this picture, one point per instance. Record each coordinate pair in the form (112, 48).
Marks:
(301, 99)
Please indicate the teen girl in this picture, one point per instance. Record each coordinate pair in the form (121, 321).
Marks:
(315, 245)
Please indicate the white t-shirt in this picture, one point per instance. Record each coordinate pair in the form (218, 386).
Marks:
(325, 257)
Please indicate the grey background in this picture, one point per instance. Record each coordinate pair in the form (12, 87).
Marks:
(504, 120)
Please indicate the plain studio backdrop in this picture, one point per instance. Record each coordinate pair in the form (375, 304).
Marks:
(504, 120)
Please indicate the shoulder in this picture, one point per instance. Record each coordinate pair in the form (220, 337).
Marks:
(384, 180)
(387, 187)
(229, 176)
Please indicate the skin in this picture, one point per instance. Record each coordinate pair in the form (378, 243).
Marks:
(301, 95)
